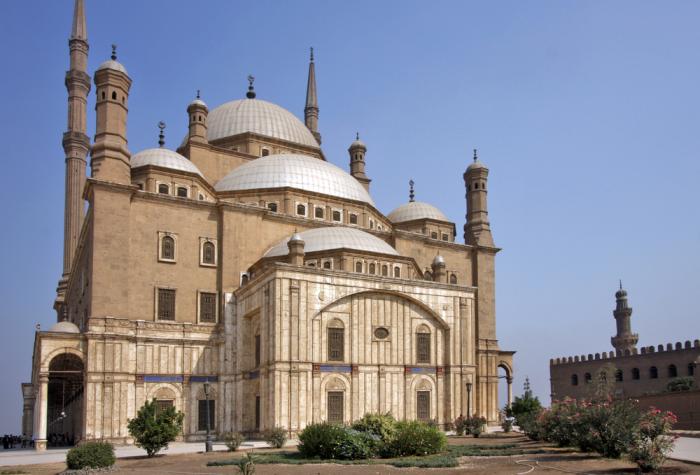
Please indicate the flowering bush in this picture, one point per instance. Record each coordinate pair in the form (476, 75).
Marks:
(475, 425)
(653, 442)
(460, 425)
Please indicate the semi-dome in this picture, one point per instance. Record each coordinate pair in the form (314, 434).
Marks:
(295, 171)
(336, 237)
(416, 210)
(65, 327)
(162, 157)
(259, 117)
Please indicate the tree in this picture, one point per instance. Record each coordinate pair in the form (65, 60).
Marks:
(524, 409)
(680, 384)
(154, 428)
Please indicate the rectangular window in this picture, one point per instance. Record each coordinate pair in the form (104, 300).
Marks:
(257, 412)
(335, 406)
(353, 218)
(423, 406)
(163, 404)
(337, 216)
(207, 307)
(318, 212)
(423, 348)
(166, 304)
(257, 350)
(445, 237)
(336, 342)
(202, 421)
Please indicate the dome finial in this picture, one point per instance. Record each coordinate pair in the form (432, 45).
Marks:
(411, 193)
(312, 54)
(114, 52)
(475, 156)
(620, 284)
(161, 135)
(357, 136)
(198, 94)
(251, 91)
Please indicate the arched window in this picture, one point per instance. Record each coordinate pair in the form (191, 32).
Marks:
(653, 372)
(335, 406)
(433, 235)
(371, 224)
(327, 265)
(372, 268)
(336, 340)
(167, 248)
(114, 95)
(587, 377)
(397, 272)
(301, 210)
(244, 279)
(574, 379)
(164, 189)
(353, 218)
(358, 267)
(618, 375)
(691, 369)
(318, 212)
(672, 371)
(103, 95)
(423, 344)
(182, 192)
(264, 152)
(272, 207)
(208, 253)
(453, 279)
(423, 406)
(336, 215)
(635, 373)
(385, 270)
(427, 275)
(445, 237)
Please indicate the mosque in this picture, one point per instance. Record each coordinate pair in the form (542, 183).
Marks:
(246, 278)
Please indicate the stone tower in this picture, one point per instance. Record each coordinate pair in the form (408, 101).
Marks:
(357, 152)
(311, 109)
(76, 143)
(110, 155)
(625, 340)
(198, 112)
(477, 230)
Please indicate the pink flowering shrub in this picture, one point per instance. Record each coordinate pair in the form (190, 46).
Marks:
(653, 441)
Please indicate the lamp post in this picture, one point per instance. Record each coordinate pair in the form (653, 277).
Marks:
(469, 399)
(208, 442)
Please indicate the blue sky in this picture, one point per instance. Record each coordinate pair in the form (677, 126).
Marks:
(586, 113)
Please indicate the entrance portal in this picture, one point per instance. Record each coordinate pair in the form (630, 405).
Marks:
(64, 424)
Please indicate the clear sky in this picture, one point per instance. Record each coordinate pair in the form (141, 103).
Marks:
(586, 113)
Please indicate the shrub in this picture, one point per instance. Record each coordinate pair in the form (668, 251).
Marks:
(680, 384)
(321, 440)
(380, 425)
(91, 455)
(524, 409)
(233, 440)
(475, 425)
(416, 438)
(276, 437)
(153, 429)
(460, 425)
(653, 443)
(246, 465)
(356, 445)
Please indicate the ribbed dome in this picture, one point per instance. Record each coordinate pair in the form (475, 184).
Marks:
(260, 117)
(65, 327)
(112, 64)
(295, 171)
(416, 210)
(329, 238)
(162, 157)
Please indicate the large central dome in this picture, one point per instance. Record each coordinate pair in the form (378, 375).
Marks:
(294, 171)
(259, 117)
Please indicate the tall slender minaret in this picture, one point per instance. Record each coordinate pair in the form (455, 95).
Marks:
(311, 109)
(477, 230)
(625, 340)
(76, 143)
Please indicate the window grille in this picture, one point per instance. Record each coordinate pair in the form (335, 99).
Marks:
(202, 421)
(336, 343)
(207, 307)
(208, 253)
(423, 348)
(166, 304)
(163, 404)
(335, 406)
(423, 406)
(167, 248)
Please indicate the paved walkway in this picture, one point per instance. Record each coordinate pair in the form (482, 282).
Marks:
(30, 456)
(687, 449)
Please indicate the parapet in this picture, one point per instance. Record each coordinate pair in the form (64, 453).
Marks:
(609, 355)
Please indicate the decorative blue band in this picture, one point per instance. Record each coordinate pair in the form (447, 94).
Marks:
(254, 374)
(420, 370)
(204, 379)
(331, 368)
(156, 378)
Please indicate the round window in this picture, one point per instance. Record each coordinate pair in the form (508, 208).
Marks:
(381, 333)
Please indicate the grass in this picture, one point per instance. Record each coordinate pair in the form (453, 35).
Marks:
(443, 460)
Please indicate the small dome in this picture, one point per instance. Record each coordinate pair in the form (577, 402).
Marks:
(439, 260)
(336, 237)
(295, 237)
(114, 65)
(65, 327)
(198, 102)
(476, 164)
(295, 171)
(163, 157)
(416, 210)
(259, 117)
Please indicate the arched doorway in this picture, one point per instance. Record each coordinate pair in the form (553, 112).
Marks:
(505, 386)
(64, 421)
